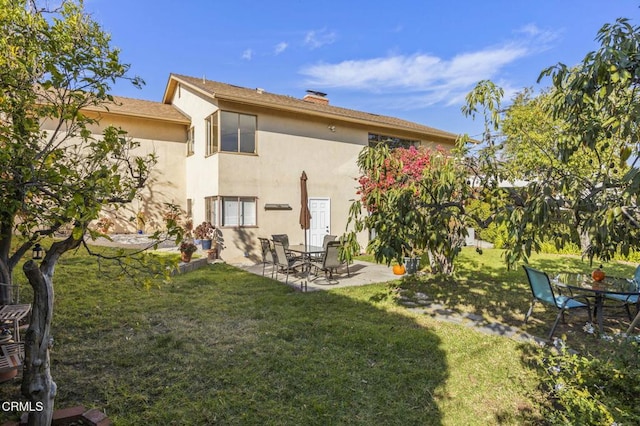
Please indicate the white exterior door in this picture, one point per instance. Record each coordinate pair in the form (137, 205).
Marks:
(320, 209)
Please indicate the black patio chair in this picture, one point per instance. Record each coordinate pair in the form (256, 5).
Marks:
(268, 255)
(331, 259)
(283, 263)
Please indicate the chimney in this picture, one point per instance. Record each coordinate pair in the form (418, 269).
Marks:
(316, 97)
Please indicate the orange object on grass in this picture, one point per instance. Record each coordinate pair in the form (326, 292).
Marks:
(398, 269)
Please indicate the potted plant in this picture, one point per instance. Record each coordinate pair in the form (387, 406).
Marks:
(187, 248)
(104, 224)
(205, 232)
(188, 229)
(412, 260)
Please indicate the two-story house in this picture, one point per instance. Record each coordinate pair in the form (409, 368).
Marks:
(234, 156)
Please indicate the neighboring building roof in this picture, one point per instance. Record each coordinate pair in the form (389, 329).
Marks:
(141, 108)
(259, 97)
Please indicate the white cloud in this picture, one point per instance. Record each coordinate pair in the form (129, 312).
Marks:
(247, 54)
(540, 35)
(280, 47)
(319, 38)
(530, 30)
(423, 78)
(415, 72)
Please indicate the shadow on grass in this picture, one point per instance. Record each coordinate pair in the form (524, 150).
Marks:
(483, 286)
(223, 346)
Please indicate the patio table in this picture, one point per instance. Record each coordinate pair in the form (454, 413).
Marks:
(306, 253)
(586, 284)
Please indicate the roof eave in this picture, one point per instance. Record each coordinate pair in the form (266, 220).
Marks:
(174, 80)
(139, 115)
(316, 113)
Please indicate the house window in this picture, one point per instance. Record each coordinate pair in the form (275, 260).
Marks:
(189, 207)
(211, 210)
(239, 211)
(230, 132)
(190, 142)
(391, 141)
(211, 134)
(237, 132)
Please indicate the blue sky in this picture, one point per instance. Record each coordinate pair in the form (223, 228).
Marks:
(414, 60)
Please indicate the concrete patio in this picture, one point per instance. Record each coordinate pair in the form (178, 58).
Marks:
(361, 273)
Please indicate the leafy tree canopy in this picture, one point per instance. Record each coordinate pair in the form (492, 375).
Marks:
(415, 203)
(56, 64)
(576, 146)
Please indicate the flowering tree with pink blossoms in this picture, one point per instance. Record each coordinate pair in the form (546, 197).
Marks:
(414, 201)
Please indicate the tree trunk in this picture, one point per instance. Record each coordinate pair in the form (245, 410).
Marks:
(37, 383)
(6, 263)
(440, 263)
(6, 291)
(585, 241)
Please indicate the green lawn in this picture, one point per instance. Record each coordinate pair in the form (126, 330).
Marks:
(483, 286)
(221, 346)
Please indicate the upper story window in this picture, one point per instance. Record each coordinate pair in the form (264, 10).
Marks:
(211, 134)
(392, 141)
(230, 132)
(237, 132)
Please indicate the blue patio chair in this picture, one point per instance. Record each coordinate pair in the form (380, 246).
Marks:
(627, 300)
(542, 291)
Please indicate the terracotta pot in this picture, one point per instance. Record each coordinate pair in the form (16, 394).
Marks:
(8, 374)
(185, 257)
(212, 254)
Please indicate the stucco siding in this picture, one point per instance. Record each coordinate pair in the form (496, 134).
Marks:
(201, 170)
(286, 145)
(166, 184)
(167, 180)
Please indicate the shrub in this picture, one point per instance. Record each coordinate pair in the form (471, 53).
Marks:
(584, 389)
(550, 247)
(573, 248)
(493, 233)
